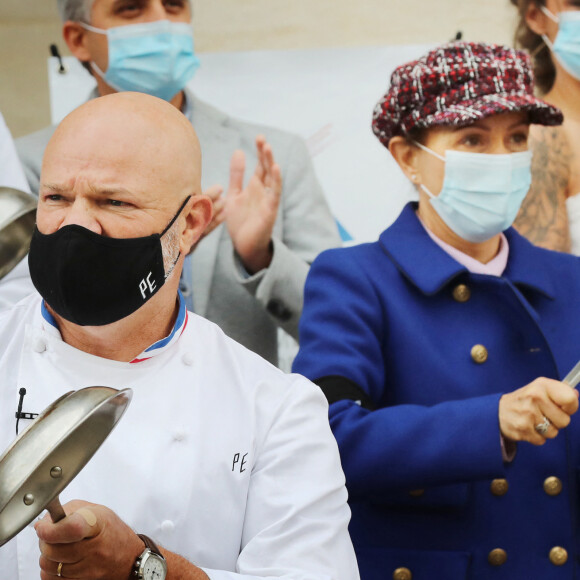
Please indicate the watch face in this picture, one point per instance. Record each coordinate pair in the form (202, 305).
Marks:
(154, 568)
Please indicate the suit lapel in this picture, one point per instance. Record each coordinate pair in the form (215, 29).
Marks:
(218, 141)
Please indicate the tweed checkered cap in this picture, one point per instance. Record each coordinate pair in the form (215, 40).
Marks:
(457, 84)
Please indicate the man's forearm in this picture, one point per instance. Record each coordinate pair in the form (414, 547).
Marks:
(178, 568)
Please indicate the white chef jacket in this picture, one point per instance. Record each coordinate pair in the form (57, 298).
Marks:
(17, 283)
(220, 456)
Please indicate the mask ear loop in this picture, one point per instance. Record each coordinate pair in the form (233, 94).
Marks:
(547, 41)
(175, 216)
(427, 150)
(93, 64)
(92, 28)
(553, 17)
(431, 152)
(169, 227)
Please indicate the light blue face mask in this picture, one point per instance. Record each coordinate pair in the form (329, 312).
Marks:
(481, 193)
(566, 46)
(156, 58)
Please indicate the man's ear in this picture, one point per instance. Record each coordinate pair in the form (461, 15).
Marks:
(406, 155)
(537, 20)
(198, 213)
(75, 37)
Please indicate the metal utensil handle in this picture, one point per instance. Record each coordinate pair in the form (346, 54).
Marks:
(55, 510)
(573, 377)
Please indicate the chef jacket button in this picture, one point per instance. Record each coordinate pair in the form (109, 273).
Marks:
(499, 487)
(461, 293)
(402, 574)
(479, 353)
(558, 556)
(552, 485)
(39, 345)
(187, 359)
(167, 526)
(497, 557)
(417, 492)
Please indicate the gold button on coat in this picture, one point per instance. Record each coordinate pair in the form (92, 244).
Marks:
(558, 556)
(497, 557)
(461, 293)
(417, 492)
(552, 485)
(479, 353)
(402, 574)
(499, 487)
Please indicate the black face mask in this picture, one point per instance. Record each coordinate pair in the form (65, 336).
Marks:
(92, 280)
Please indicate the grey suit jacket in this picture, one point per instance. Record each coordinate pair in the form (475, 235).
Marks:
(249, 309)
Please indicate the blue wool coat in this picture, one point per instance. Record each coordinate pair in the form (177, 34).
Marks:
(429, 491)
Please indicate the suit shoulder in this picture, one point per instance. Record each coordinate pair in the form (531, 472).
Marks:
(357, 253)
(32, 146)
(36, 139)
(247, 129)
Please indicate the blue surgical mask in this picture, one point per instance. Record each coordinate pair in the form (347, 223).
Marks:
(566, 46)
(481, 193)
(156, 58)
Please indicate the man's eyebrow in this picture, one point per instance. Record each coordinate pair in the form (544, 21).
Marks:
(53, 187)
(56, 188)
(104, 191)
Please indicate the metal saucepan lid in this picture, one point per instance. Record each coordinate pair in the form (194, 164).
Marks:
(17, 219)
(51, 451)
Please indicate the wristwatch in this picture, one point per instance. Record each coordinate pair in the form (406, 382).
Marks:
(150, 565)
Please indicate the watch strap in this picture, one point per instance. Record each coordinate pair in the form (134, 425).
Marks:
(149, 543)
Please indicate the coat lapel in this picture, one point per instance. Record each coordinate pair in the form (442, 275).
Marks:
(416, 256)
(430, 268)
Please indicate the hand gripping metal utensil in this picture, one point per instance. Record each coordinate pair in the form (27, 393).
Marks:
(573, 377)
(50, 453)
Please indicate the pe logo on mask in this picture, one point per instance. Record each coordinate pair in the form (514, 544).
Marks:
(147, 284)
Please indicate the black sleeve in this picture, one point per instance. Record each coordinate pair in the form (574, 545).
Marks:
(337, 388)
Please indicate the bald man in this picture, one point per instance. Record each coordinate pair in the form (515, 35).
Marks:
(224, 466)
(247, 275)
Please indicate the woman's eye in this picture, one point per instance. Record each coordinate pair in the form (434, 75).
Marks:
(116, 203)
(471, 140)
(520, 138)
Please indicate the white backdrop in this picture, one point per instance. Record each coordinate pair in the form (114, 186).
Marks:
(325, 95)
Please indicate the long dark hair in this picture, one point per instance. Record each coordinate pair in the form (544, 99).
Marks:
(524, 37)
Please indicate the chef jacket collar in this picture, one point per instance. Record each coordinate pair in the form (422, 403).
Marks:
(155, 349)
(430, 268)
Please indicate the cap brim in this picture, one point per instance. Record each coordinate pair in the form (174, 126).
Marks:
(470, 111)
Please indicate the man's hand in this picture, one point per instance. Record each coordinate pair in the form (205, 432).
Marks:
(214, 193)
(91, 543)
(521, 410)
(250, 212)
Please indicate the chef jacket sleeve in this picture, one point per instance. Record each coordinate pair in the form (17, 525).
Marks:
(296, 523)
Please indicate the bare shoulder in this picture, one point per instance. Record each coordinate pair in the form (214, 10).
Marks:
(542, 218)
